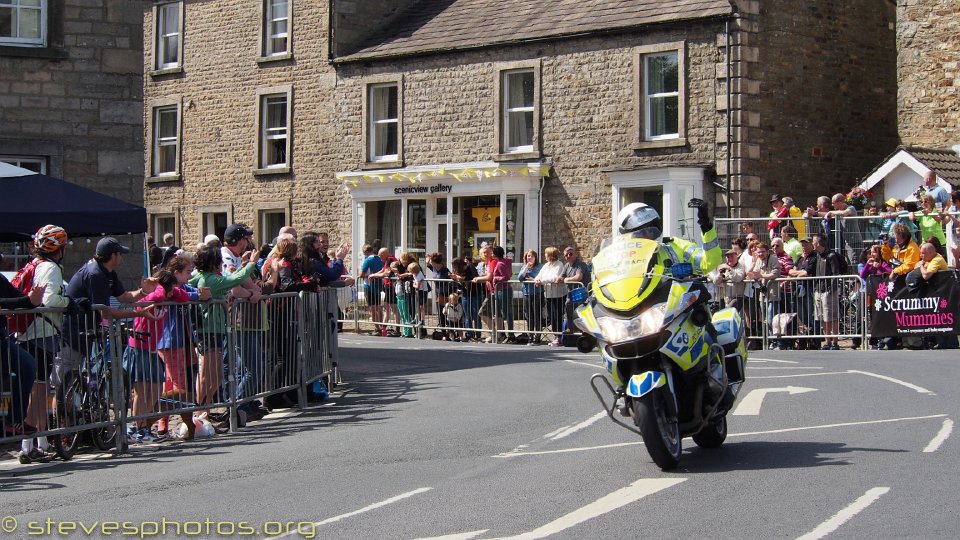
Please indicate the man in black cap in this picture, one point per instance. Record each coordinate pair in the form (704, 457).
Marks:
(236, 239)
(779, 211)
(94, 284)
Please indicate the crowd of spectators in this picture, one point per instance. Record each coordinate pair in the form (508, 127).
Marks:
(176, 353)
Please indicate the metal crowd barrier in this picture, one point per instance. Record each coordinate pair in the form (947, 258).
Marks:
(214, 354)
(804, 311)
(521, 312)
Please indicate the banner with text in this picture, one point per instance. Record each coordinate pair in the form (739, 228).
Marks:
(929, 309)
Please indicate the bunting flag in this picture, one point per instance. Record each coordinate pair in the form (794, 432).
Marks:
(352, 180)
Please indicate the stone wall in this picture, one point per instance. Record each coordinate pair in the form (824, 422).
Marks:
(928, 62)
(823, 114)
(78, 102)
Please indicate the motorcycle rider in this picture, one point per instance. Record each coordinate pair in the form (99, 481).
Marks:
(644, 220)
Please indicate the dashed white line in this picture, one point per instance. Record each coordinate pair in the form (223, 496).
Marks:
(608, 503)
(516, 453)
(940, 437)
(573, 429)
(919, 389)
(373, 506)
(844, 515)
(772, 360)
(593, 365)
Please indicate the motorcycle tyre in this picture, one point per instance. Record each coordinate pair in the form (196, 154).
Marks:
(664, 448)
(712, 435)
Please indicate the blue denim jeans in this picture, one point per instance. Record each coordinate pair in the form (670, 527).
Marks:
(471, 313)
(251, 363)
(18, 371)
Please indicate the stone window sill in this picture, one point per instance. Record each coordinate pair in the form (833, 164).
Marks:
(274, 58)
(376, 165)
(665, 143)
(517, 156)
(165, 179)
(52, 53)
(166, 71)
(272, 171)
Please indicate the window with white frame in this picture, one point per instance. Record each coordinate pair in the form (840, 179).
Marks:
(274, 131)
(213, 223)
(23, 23)
(271, 221)
(661, 96)
(166, 140)
(167, 50)
(36, 164)
(518, 110)
(384, 122)
(276, 27)
(162, 224)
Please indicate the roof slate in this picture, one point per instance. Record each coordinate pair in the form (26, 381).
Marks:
(945, 163)
(440, 25)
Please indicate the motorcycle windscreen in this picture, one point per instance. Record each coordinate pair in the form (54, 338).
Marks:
(620, 270)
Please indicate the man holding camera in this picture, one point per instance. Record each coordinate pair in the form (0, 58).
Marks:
(728, 278)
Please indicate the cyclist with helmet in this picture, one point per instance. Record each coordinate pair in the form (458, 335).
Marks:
(643, 220)
(41, 338)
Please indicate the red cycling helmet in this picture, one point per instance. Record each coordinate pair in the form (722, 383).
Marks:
(49, 239)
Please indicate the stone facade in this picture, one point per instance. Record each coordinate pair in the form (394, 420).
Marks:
(811, 108)
(928, 67)
(77, 103)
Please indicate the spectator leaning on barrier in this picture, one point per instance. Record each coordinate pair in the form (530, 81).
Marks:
(463, 273)
(929, 220)
(18, 368)
(532, 294)
(875, 265)
(798, 223)
(554, 291)
(765, 271)
(826, 298)
(238, 239)
(930, 261)
(373, 287)
(575, 272)
(42, 338)
(806, 267)
(442, 288)
(790, 243)
(904, 256)
(728, 278)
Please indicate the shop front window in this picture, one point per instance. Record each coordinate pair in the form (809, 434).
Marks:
(514, 237)
(417, 227)
(382, 224)
(480, 222)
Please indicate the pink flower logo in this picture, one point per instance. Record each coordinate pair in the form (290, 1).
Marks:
(882, 291)
(943, 303)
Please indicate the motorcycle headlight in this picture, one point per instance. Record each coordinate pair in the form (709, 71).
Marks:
(616, 330)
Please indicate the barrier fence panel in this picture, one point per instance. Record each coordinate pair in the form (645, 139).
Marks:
(515, 311)
(801, 313)
(97, 372)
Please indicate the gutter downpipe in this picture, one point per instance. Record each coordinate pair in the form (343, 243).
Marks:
(729, 120)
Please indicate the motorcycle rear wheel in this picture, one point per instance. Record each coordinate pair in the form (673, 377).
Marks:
(712, 435)
(661, 436)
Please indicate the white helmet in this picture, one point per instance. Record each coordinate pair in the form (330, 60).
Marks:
(641, 219)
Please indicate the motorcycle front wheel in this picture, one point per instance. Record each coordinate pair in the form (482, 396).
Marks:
(661, 435)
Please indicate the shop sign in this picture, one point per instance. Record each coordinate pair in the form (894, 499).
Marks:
(423, 190)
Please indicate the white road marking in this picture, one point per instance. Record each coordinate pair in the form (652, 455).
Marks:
(573, 429)
(895, 381)
(772, 360)
(784, 367)
(458, 536)
(844, 515)
(594, 365)
(750, 404)
(799, 375)
(373, 506)
(941, 436)
(746, 434)
(608, 503)
(554, 432)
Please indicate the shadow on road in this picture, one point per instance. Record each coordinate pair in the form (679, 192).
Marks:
(761, 455)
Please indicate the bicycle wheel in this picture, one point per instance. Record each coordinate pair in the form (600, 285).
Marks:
(100, 411)
(68, 413)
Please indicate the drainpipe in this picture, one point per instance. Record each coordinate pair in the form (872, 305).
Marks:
(729, 119)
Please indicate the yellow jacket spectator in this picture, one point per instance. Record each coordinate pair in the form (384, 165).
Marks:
(906, 250)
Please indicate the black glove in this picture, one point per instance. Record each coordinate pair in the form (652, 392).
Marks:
(703, 213)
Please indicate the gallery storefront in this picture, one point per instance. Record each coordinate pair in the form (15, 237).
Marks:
(451, 209)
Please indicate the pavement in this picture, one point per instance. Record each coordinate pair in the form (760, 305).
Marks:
(460, 441)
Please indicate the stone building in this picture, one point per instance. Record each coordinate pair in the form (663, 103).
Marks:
(71, 92)
(436, 125)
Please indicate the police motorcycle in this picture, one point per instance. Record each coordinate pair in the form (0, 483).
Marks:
(676, 368)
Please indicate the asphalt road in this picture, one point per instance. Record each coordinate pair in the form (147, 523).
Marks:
(431, 439)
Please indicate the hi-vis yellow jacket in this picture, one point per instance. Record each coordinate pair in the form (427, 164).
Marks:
(703, 259)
